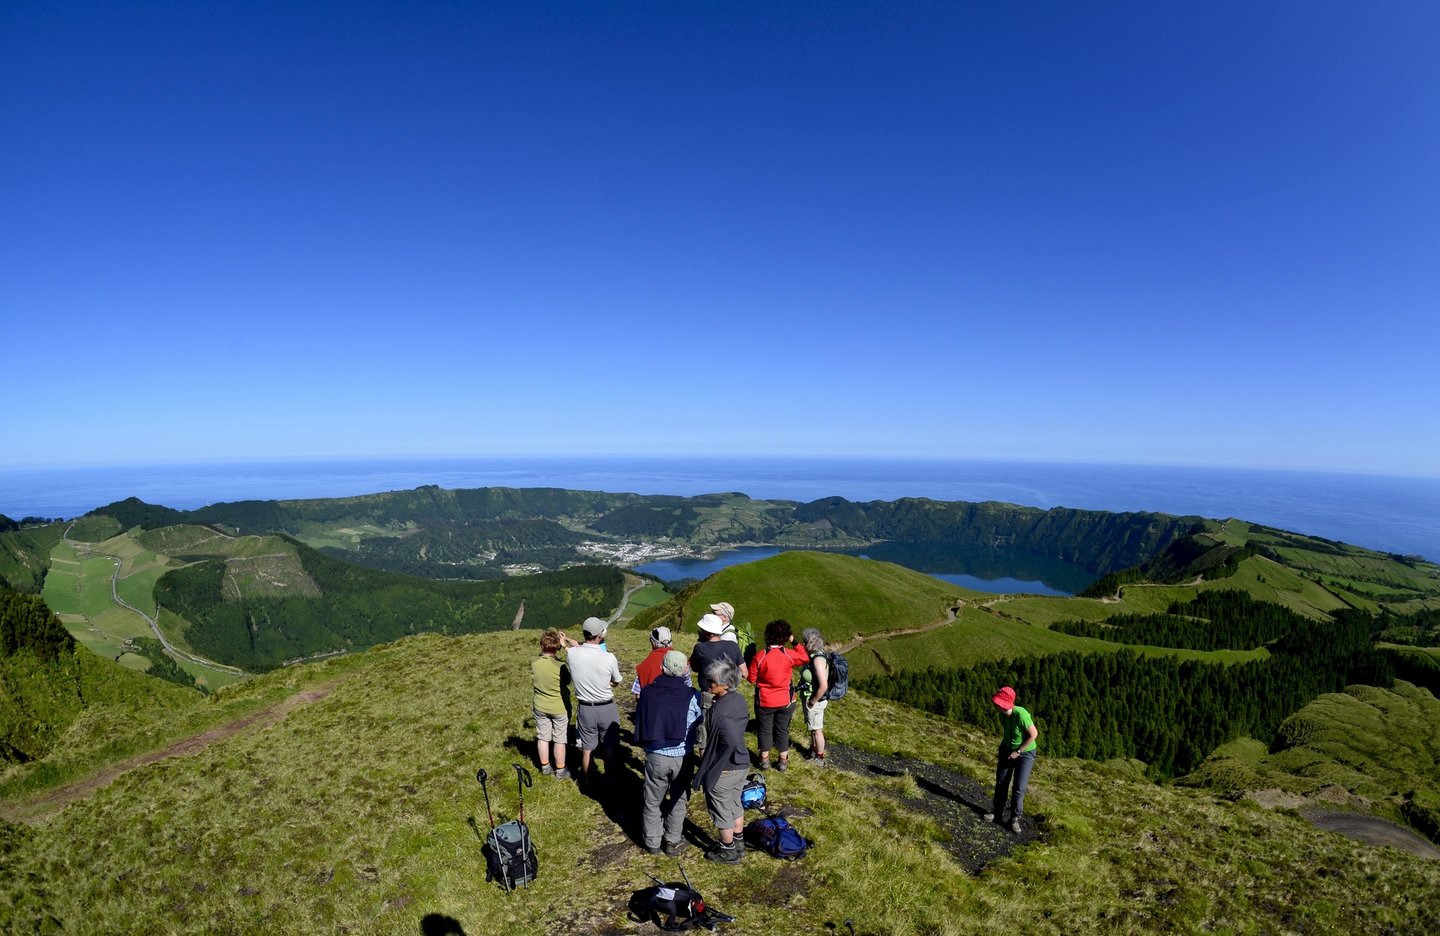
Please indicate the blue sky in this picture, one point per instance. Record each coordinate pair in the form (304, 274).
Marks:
(1125, 232)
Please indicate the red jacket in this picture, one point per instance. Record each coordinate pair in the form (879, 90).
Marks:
(649, 667)
(770, 671)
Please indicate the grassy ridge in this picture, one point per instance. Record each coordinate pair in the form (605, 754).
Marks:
(358, 813)
(1379, 745)
(841, 595)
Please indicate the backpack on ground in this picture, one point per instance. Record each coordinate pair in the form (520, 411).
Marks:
(674, 906)
(752, 795)
(774, 836)
(839, 675)
(509, 852)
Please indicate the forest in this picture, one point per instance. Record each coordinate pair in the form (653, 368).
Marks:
(1169, 713)
(1213, 620)
(27, 624)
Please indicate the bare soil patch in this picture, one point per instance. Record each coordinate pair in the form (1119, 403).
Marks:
(954, 801)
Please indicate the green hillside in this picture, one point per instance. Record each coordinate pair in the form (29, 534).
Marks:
(48, 683)
(281, 601)
(1366, 748)
(481, 533)
(841, 595)
(357, 811)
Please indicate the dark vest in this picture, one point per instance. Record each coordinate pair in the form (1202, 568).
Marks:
(663, 712)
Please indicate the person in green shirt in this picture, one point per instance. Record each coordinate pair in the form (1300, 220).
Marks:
(1016, 758)
(550, 680)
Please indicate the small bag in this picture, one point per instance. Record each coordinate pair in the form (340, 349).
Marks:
(774, 836)
(752, 795)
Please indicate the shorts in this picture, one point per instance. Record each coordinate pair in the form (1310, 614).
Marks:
(551, 727)
(722, 799)
(815, 718)
(598, 726)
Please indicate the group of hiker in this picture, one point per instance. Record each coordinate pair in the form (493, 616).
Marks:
(695, 739)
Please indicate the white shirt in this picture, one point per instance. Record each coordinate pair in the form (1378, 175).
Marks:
(593, 672)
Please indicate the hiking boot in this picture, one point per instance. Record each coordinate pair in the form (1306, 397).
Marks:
(820, 760)
(1015, 826)
(562, 774)
(725, 854)
(673, 849)
(783, 766)
(546, 770)
(765, 763)
(652, 849)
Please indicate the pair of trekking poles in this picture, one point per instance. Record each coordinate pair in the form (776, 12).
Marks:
(509, 851)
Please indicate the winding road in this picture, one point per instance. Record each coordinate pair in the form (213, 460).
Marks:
(170, 648)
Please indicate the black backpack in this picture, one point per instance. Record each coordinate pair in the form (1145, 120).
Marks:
(839, 675)
(509, 852)
(675, 906)
(510, 855)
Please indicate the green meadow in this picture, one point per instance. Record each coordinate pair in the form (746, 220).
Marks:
(359, 812)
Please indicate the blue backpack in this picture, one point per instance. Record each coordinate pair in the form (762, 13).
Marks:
(839, 675)
(774, 836)
(752, 795)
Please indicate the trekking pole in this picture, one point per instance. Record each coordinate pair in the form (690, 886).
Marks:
(482, 776)
(522, 780)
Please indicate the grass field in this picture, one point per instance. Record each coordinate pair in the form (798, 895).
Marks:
(360, 813)
(841, 595)
(77, 585)
(650, 595)
(978, 636)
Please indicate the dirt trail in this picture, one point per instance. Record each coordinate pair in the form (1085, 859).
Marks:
(39, 807)
(950, 614)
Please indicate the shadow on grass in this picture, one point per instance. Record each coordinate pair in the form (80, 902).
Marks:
(437, 924)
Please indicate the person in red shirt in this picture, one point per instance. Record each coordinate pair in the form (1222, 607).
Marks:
(771, 671)
(649, 667)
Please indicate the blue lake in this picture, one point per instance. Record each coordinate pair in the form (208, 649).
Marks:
(986, 570)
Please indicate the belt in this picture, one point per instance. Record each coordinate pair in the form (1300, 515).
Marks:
(610, 702)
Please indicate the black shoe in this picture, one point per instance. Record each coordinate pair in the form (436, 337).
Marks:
(674, 849)
(652, 849)
(725, 854)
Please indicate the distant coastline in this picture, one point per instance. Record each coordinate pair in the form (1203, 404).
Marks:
(1393, 514)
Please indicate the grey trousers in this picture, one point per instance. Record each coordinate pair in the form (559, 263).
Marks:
(1012, 772)
(667, 790)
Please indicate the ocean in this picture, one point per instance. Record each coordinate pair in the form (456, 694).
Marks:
(1388, 513)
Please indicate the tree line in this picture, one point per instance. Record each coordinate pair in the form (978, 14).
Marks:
(1168, 712)
(1213, 620)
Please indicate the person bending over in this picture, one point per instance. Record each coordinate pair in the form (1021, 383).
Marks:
(1016, 758)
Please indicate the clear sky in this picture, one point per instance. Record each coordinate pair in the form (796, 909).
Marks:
(1195, 233)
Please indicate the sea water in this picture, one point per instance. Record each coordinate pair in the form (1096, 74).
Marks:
(1389, 513)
